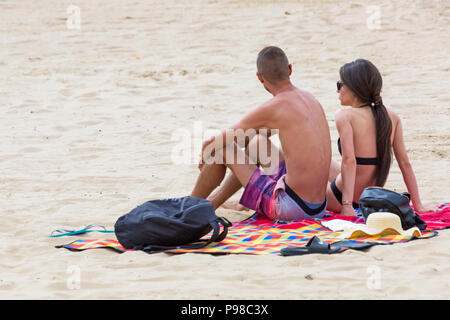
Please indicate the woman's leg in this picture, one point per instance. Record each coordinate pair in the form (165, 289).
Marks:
(333, 203)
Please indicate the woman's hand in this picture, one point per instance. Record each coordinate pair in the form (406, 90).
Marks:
(348, 211)
(422, 208)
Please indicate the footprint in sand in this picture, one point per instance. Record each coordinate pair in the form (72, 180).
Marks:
(59, 128)
(86, 158)
(92, 94)
(30, 150)
(158, 189)
(160, 99)
(400, 290)
(6, 285)
(88, 123)
(120, 196)
(66, 92)
(126, 107)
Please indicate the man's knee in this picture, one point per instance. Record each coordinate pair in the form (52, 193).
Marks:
(259, 151)
(232, 154)
(253, 147)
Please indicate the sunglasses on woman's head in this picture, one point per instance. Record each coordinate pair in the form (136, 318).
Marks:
(339, 85)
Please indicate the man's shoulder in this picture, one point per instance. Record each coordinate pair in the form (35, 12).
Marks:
(271, 103)
(277, 101)
(306, 93)
(295, 96)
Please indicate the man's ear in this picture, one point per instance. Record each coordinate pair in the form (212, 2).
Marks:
(260, 77)
(290, 69)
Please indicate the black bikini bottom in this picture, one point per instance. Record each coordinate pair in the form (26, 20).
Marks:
(291, 193)
(338, 194)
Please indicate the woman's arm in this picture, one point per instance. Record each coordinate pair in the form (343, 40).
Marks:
(406, 168)
(348, 165)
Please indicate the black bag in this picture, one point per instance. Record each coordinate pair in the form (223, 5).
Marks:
(374, 199)
(169, 224)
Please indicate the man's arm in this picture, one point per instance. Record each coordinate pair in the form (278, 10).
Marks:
(263, 117)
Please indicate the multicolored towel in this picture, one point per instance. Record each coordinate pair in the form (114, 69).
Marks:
(270, 239)
(437, 220)
(85, 244)
(260, 235)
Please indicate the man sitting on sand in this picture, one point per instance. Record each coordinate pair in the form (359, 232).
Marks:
(297, 188)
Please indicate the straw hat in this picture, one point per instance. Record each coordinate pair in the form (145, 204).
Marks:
(379, 223)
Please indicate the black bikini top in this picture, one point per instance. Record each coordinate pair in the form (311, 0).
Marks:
(363, 161)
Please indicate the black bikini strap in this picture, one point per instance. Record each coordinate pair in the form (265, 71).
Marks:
(302, 204)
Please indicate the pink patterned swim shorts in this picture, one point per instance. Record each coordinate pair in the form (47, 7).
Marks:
(270, 195)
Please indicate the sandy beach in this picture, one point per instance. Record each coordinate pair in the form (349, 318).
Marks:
(93, 92)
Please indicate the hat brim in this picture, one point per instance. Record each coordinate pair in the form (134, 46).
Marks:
(363, 231)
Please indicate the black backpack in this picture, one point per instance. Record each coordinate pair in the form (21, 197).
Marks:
(159, 225)
(374, 199)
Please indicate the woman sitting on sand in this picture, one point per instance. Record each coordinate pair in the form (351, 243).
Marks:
(368, 133)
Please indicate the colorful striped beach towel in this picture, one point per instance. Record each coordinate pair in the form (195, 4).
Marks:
(437, 220)
(85, 244)
(248, 241)
(260, 235)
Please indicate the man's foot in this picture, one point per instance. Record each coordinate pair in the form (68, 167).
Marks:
(234, 205)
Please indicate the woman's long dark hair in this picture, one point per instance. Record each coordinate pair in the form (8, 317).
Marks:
(363, 78)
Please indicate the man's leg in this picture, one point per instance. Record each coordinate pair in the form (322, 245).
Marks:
(335, 169)
(242, 171)
(232, 184)
(210, 177)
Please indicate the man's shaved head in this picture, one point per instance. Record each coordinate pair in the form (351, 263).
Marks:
(273, 64)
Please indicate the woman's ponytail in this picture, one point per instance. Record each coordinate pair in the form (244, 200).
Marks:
(383, 127)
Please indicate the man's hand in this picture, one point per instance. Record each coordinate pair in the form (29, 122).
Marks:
(201, 162)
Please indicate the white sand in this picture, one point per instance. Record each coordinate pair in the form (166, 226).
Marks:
(86, 129)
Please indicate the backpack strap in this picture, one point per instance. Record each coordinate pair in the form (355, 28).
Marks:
(217, 236)
(225, 223)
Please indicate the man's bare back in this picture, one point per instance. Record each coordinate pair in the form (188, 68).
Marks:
(305, 139)
(298, 187)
